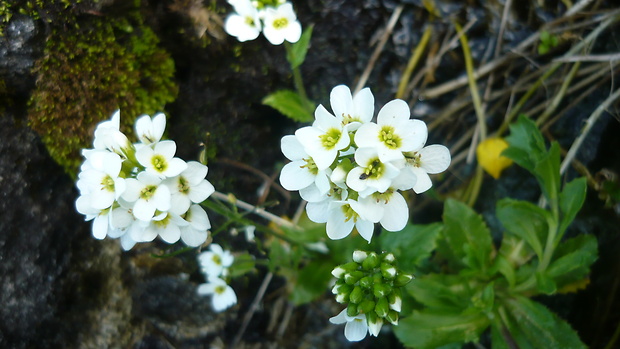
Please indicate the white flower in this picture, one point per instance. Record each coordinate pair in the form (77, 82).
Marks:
(324, 138)
(302, 173)
(213, 262)
(356, 327)
(167, 226)
(344, 215)
(160, 161)
(249, 231)
(372, 175)
(375, 327)
(100, 181)
(394, 133)
(354, 110)
(190, 186)
(318, 211)
(108, 136)
(244, 24)
(432, 159)
(223, 296)
(281, 24)
(196, 232)
(149, 130)
(149, 195)
(392, 206)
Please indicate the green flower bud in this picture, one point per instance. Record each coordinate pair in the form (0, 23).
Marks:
(342, 298)
(395, 300)
(374, 323)
(359, 256)
(388, 271)
(352, 277)
(371, 262)
(352, 310)
(356, 295)
(392, 317)
(342, 289)
(338, 272)
(337, 285)
(367, 306)
(381, 290)
(402, 279)
(382, 307)
(366, 282)
(388, 258)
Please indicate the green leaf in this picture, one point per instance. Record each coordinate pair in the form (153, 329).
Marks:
(442, 292)
(547, 172)
(544, 283)
(467, 238)
(297, 52)
(532, 325)
(572, 259)
(527, 144)
(427, 329)
(291, 105)
(312, 282)
(572, 198)
(524, 220)
(412, 245)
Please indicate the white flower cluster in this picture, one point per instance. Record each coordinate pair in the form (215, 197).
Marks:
(275, 18)
(350, 169)
(139, 191)
(214, 265)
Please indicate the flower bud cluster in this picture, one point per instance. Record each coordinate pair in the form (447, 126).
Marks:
(350, 169)
(275, 18)
(138, 191)
(371, 288)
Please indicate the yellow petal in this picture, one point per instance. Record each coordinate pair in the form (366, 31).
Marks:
(488, 153)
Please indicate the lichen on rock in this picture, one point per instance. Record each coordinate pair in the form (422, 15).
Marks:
(88, 70)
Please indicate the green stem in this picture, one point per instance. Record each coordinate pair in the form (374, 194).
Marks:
(413, 62)
(559, 96)
(297, 78)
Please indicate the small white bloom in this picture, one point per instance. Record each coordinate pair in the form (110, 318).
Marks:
(281, 24)
(344, 215)
(213, 262)
(375, 327)
(394, 133)
(190, 186)
(352, 110)
(161, 161)
(195, 233)
(149, 195)
(168, 228)
(222, 295)
(108, 136)
(324, 139)
(372, 175)
(244, 24)
(356, 327)
(302, 173)
(100, 180)
(393, 208)
(249, 233)
(149, 130)
(431, 159)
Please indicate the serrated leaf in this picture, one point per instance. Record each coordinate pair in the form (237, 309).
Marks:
(297, 53)
(524, 220)
(572, 259)
(467, 237)
(291, 105)
(426, 329)
(442, 292)
(535, 326)
(411, 245)
(527, 145)
(547, 172)
(572, 198)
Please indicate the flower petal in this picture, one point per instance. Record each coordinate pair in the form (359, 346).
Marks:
(341, 101)
(394, 113)
(435, 158)
(356, 330)
(396, 213)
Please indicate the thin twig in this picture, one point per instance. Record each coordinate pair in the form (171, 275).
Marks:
(589, 123)
(256, 210)
(253, 307)
(577, 7)
(375, 55)
(590, 58)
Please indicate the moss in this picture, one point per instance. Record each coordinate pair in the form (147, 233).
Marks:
(87, 72)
